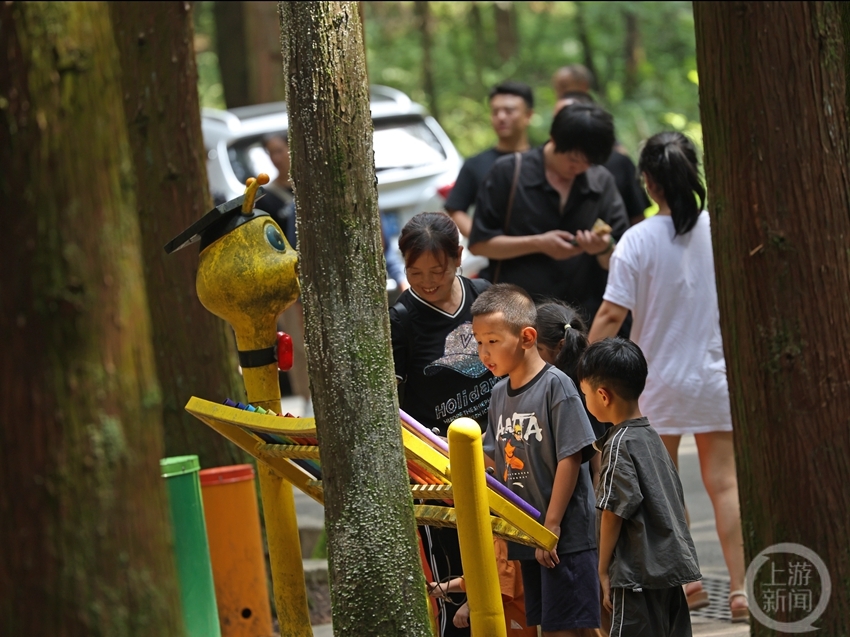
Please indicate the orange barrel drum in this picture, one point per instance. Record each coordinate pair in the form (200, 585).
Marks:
(236, 551)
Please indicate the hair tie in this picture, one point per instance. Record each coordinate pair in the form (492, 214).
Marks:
(567, 326)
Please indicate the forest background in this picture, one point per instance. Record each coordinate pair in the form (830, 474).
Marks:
(447, 56)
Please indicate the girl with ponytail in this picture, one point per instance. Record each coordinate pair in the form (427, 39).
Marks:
(561, 340)
(662, 270)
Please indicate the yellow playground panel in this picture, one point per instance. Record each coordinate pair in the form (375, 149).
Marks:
(289, 448)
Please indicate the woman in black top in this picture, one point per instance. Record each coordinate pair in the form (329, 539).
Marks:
(436, 359)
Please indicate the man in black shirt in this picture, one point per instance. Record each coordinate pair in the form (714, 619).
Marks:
(511, 107)
(545, 243)
(619, 164)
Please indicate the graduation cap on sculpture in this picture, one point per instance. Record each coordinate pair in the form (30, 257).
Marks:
(223, 218)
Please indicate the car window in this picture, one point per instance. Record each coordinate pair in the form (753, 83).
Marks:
(398, 143)
(249, 158)
(406, 144)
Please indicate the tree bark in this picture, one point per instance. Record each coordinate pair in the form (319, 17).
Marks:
(479, 52)
(231, 45)
(772, 97)
(633, 52)
(377, 587)
(195, 354)
(262, 53)
(85, 530)
(587, 49)
(426, 25)
(507, 35)
(248, 46)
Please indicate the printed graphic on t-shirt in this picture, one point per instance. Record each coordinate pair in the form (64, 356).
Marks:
(517, 432)
(461, 354)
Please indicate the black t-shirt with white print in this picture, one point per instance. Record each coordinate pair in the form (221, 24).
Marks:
(436, 357)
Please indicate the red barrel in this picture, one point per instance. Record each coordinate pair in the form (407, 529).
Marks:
(236, 551)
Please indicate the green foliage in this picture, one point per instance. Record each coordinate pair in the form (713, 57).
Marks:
(662, 93)
(210, 88)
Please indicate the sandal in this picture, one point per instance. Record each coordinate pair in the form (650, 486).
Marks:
(739, 615)
(697, 597)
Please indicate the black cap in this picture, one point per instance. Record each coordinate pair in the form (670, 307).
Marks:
(216, 223)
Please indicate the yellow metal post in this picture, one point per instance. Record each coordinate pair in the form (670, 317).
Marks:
(290, 594)
(486, 615)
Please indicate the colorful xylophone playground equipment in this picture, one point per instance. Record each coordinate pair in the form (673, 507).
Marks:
(247, 276)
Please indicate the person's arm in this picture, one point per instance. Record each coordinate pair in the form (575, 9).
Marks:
(555, 243)
(462, 220)
(462, 196)
(609, 533)
(566, 477)
(439, 590)
(608, 321)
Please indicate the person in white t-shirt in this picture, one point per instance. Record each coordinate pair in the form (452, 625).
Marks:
(663, 272)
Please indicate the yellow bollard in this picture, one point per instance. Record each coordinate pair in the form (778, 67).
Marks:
(466, 455)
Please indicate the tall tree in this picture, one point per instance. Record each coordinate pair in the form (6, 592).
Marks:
(248, 45)
(83, 517)
(633, 50)
(426, 26)
(368, 507)
(507, 33)
(772, 95)
(193, 348)
(587, 48)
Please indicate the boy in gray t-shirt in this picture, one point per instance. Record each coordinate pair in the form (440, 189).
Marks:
(540, 438)
(646, 552)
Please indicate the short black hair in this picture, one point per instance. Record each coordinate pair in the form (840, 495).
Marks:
(615, 363)
(515, 304)
(587, 128)
(509, 87)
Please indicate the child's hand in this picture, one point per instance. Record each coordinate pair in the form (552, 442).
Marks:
(549, 558)
(437, 590)
(461, 619)
(605, 583)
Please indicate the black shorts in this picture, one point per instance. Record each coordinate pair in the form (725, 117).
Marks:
(565, 597)
(661, 612)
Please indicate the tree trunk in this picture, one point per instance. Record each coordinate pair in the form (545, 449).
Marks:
(772, 96)
(633, 52)
(479, 51)
(231, 44)
(426, 25)
(85, 531)
(507, 37)
(587, 49)
(194, 349)
(248, 46)
(377, 587)
(262, 53)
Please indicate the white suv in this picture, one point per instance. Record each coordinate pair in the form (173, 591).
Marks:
(415, 161)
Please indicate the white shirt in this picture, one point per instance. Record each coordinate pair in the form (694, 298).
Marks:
(668, 284)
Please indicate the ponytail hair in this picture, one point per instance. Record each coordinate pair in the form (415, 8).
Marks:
(557, 321)
(670, 159)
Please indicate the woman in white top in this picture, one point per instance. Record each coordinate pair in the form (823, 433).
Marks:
(663, 271)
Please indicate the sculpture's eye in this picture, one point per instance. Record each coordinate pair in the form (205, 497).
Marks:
(274, 238)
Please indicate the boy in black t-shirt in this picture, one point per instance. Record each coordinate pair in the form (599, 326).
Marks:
(646, 552)
(540, 438)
